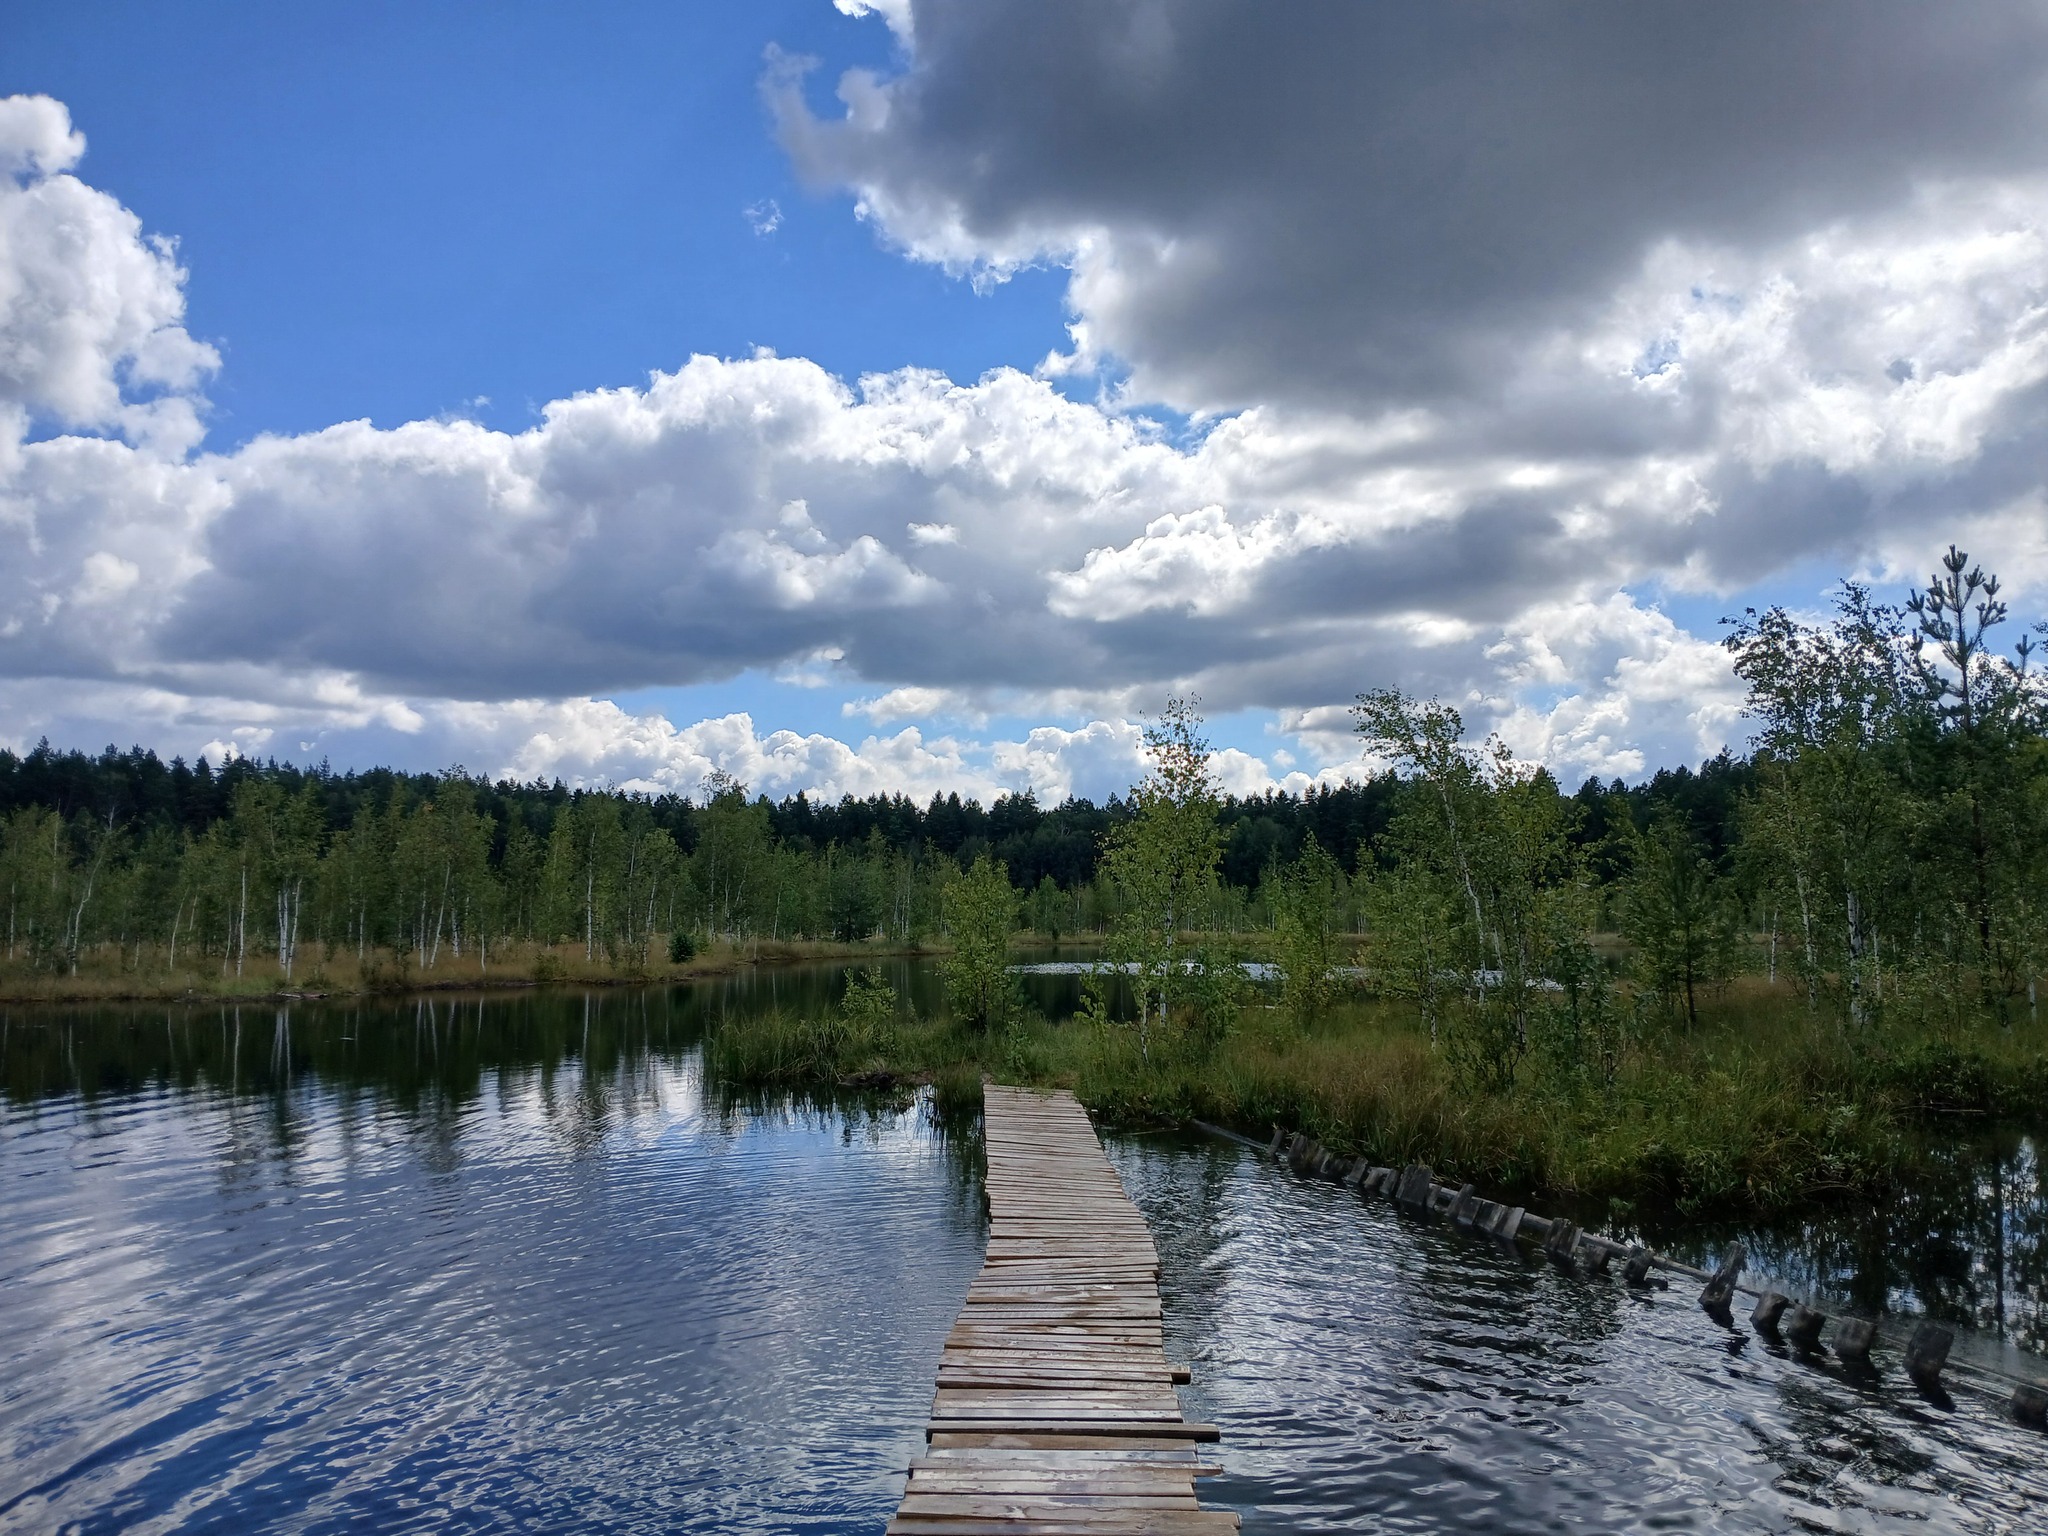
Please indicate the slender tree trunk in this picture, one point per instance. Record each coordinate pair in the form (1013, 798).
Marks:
(1464, 868)
(1852, 911)
(177, 917)
(440, 921)
(1806, 927)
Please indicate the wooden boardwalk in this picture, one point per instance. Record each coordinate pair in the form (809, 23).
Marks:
(1055, 1413)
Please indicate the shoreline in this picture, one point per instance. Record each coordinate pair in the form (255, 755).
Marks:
(519, 976)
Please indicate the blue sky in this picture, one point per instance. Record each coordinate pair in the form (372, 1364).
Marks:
(1351, 392)
(470, 211)
(392, 211)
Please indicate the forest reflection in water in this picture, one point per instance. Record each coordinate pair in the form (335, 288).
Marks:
(500, 1263)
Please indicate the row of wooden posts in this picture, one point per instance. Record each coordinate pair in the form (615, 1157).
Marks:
(1775, 1315)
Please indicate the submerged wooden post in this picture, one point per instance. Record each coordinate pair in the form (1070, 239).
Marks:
(1927, 1353)
(2030, 1406)
(1414, 1190)
(1719, 1293)
(1770, 1307)
(1055, 1408)
(1464, 1207)
(1802, 1326)
(1559, 1244)
(1853, 1338)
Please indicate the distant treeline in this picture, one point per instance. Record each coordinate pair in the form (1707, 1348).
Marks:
(123, 849)
(136, 791)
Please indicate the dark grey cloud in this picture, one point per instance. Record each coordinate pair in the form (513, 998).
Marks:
(1337, 201)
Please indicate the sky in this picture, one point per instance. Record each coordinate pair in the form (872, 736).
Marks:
(858, 398)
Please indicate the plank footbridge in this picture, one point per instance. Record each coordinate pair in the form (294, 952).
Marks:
(1055, 1413)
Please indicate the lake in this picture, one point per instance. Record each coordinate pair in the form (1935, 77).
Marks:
(509, 1262)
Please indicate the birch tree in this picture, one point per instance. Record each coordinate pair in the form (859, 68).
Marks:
(981, 911)
(1162, 864)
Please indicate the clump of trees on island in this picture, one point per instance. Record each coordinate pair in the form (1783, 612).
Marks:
(1884, 847)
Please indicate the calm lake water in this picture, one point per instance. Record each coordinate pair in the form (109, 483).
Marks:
(510, 1263)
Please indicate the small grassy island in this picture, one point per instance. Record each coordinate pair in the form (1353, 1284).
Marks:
(1759, 1106)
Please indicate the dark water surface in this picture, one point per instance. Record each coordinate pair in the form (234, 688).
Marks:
(509, 1264)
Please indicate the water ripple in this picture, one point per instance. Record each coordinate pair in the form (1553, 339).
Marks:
(1369, 1369)
(562, 1304)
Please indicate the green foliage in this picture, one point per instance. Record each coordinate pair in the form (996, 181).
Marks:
(1680, 914)
(1487, 838)
(1307, 903)
(1162, 865)
(1899, 832)
(869, 1006)
(774, 1049)
(981, 911)
(1412, 917)
(1048, 907)
(36, 865)
(862, 1047)
(682, 949)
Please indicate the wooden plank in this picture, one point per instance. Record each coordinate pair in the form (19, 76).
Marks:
(1070, 1522)
(1164, 1429)
(1025, 1445)
(1002, 1459)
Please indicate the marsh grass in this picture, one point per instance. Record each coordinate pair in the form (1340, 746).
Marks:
(118, 974)
(1761, 1106)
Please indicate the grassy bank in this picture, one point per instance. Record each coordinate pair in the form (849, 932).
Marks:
(1760, 1107)
(106, 977)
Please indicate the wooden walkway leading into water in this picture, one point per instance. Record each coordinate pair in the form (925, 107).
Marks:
(1055, 1413)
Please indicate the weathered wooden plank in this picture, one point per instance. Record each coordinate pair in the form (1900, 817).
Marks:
(1100, 1481)
(1081, 1370)
(1070, 1522)
(1162, 1429)
(1023, 1506)
(1048, 1407)
(983, 1461)
(1016, 1445)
